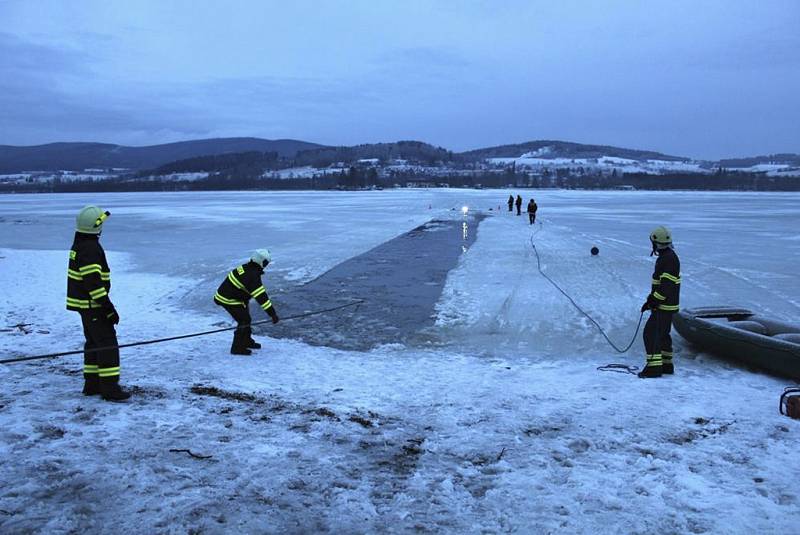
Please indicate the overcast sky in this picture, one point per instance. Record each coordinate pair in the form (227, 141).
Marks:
(705, 79)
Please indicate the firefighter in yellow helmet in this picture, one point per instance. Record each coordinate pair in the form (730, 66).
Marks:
(88, 293)
(234, 294)
(663, 303)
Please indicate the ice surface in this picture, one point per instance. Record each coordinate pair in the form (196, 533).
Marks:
(504, 426)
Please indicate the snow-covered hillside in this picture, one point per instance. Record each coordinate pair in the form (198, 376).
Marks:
(498, 423)
(546, 158)
(771, 169)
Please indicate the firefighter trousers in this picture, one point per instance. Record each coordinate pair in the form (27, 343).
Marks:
(99, 332)
(657, 340)
(243, 335)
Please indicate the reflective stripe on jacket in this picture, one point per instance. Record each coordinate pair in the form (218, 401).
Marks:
(241, 285)
(666, 284)
(88, 274)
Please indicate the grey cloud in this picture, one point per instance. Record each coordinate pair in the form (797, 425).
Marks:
(20, 58)
(416, 66)
(68, 118)
(427, 58)
(33, 77)
(754, 52)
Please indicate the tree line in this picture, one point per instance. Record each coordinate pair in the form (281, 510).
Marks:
(250, 177)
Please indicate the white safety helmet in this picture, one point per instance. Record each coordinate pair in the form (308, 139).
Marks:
(261, 257)
(90, 220)
(661, 238)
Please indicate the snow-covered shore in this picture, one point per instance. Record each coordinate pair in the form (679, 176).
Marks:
(504, 426)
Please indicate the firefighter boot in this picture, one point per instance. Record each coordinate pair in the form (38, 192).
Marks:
(252, 344)
(91, 384)
(650, 372)
(240, 346)
(653, 367)
(666, 364)
(241, 340)
(111, 391)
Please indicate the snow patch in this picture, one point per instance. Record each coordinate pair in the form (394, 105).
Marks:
(504, 426)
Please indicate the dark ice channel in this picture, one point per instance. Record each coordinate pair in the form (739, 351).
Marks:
(401, 281)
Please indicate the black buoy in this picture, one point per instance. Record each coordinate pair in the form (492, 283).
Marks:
(595, 251)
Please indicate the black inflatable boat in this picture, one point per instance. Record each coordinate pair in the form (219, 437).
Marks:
(737, 333)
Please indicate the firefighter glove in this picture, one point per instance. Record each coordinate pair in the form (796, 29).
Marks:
(112, 315)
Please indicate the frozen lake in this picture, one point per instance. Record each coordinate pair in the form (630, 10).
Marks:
(493, 418)
(734, 246)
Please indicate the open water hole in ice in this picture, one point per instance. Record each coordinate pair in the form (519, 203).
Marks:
(400, 282)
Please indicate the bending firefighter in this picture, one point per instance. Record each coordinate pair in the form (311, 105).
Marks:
(88, 288)
(234, 294)
(662, 303)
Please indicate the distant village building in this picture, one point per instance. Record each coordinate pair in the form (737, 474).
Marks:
(420, 184)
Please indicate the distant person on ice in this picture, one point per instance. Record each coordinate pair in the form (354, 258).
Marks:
(234, 295)
(662, 303)
(532, 211)
(519, 204)
(88, 289)
(510, 203)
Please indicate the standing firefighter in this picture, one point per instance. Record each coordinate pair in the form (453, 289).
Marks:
(519, 204)
(662, 303)
(532, 207)
(88, 287)
(234, 295)
(510, 203)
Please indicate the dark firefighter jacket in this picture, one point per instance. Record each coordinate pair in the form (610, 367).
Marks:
(88, 275)
(240, 285)
(532, 207)
(666, 288)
